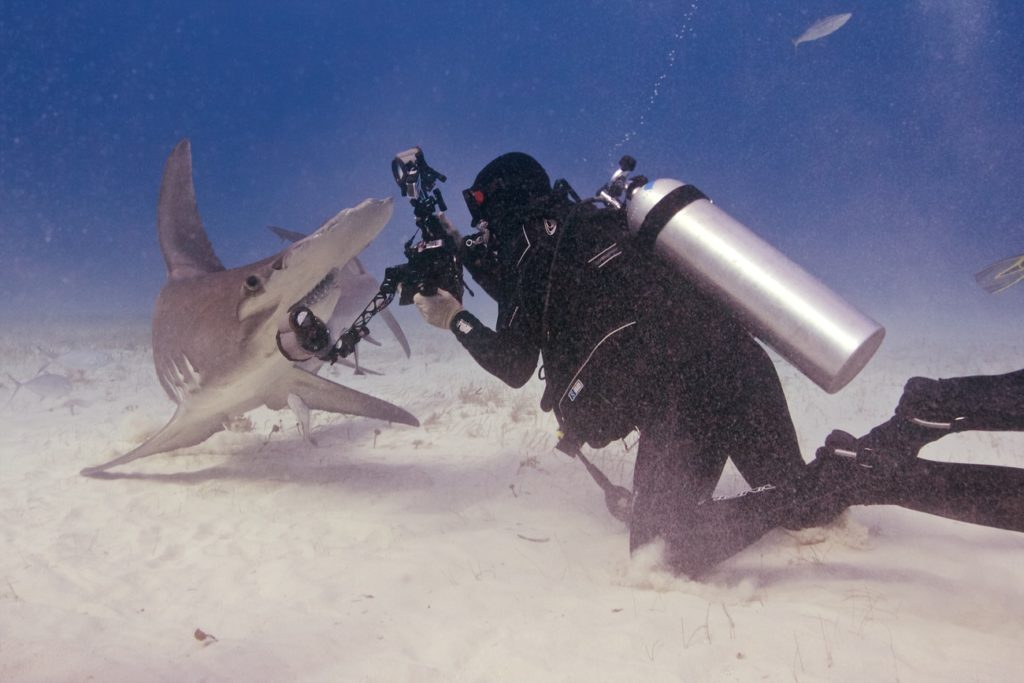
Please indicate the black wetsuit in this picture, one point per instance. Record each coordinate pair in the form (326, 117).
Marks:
(698, 387)
(659, 356)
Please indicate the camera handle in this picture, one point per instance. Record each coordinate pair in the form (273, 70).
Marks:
(430, 264)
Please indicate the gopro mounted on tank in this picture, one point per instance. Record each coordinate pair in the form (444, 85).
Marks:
(431, 263)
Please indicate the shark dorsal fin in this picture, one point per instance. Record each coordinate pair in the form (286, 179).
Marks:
(187, 249)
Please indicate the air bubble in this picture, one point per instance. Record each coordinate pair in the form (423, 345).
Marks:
(670, 60)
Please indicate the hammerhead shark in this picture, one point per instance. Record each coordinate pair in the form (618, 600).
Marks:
(215, 330)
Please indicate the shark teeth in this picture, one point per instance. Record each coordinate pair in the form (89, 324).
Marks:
(320, 290)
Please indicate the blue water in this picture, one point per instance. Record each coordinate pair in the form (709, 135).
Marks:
(887, 158)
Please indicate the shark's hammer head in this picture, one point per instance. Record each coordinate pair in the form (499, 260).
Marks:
(307, 272)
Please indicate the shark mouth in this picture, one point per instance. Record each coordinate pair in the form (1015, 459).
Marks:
(320, 290)
(304, 335)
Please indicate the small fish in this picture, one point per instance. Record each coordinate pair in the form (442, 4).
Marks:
(1002, 274)
(822, 28)
(44, 385)
(80, 360)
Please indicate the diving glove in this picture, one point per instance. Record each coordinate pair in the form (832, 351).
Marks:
(439, 309)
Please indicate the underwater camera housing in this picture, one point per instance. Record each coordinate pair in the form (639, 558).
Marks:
(431, 263)
(812, 327)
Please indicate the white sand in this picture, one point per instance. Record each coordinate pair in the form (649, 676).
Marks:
(466, 550)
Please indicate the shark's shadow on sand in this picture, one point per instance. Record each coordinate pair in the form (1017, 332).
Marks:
(217, 332)
(363, 475)
(424, 486)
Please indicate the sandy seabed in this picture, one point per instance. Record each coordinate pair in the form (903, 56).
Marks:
(464, 550)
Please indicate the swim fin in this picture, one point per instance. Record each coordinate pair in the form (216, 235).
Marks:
(988, 495)
(1001, 274)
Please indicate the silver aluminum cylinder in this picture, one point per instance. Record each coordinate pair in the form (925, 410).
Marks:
(790, 310)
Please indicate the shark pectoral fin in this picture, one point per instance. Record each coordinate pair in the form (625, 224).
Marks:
(396, 330)
(301, 411)
(321, 394)
(186, 428)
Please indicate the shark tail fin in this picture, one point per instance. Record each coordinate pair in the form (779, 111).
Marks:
(1002, 274)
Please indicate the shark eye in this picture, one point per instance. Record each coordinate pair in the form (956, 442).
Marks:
(253, 283)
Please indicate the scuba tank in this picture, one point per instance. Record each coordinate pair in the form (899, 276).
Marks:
(812, 327)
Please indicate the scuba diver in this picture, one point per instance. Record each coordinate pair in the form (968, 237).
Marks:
(627, 344)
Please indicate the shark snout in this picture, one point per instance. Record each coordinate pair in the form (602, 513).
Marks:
(341, 238)
(306, 272)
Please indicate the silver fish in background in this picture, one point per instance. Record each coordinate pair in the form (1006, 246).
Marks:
(1002, 274)
(79, 361)
(822, 28)
(44, 385)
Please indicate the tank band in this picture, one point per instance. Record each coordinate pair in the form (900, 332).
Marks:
(671, 204)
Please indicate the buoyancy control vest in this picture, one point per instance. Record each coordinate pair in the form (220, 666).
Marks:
(618, 322)
(593, 329)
